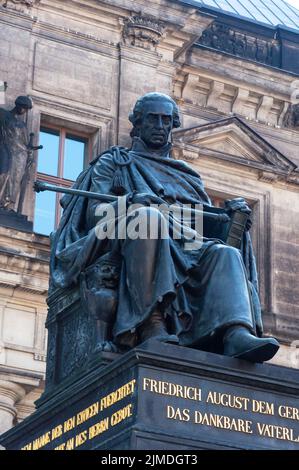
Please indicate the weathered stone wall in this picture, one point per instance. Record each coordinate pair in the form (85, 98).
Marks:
(84, 63)
(24, 270)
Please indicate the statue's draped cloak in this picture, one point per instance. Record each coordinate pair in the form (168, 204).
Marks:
(13, 158)
(75, 245)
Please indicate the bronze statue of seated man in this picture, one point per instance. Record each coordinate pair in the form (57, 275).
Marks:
(153, 287)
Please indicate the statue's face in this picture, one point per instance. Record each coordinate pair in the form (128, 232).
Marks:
(21, 111)
(156, 123)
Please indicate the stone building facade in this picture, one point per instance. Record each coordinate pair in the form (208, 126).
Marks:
(84, 63)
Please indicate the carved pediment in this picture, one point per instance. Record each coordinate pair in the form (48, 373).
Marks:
(232, 140)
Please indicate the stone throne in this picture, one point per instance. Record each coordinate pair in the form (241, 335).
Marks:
(79, 318)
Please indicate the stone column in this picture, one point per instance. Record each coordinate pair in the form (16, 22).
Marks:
(26, 406)
(10, 394)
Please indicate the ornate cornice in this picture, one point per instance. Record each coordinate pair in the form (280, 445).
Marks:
(204, 83)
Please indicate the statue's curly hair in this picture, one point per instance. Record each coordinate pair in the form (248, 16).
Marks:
(24, 102)
(136, 114)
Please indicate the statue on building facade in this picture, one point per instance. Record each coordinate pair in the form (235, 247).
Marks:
(291, 118)
(15, 154)
(152, 287)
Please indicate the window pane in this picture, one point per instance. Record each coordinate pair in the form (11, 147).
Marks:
(74, 150)
(44, 219)
(48, 156)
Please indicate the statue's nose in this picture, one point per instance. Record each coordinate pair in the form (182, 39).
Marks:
(159, 123)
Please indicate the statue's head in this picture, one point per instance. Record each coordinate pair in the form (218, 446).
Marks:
(23, 104)
(153, 117)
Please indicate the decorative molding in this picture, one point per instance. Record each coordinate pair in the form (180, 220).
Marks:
(293, 178)
(239, 101)
(24, 409)
(40, 357)
(268, 176)
(11, 390)
(273, 157)
(190, 84)
(196, 88)
(265, 105)
(144, 32)
(216, 90)
(38, 290)
(224, 38)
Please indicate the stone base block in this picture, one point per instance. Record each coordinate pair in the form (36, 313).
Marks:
(161, 396)
(14, 220)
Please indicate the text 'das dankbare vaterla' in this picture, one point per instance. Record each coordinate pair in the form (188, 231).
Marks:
(227, 411)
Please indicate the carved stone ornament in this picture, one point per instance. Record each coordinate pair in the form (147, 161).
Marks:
(142, 32)
(223, 38)
(20, 5)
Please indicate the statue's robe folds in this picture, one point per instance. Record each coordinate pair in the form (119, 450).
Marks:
(13, 158)
(202, 291)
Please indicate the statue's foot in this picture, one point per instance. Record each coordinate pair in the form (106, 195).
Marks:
(240, 343)
(163, 338)
(105, 346)
(155, 328)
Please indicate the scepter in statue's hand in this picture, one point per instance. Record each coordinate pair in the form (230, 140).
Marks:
(231, 228)
(40, 186)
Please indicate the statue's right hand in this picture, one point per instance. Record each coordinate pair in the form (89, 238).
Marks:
(144, 199)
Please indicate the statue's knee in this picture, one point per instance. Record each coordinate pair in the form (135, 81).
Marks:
(224, 250)
(150, 220)
(148, 212)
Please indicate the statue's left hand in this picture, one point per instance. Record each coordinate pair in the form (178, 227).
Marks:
(239, 204)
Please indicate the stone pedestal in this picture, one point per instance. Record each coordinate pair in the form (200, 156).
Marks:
(15, 220)
(160, 396)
